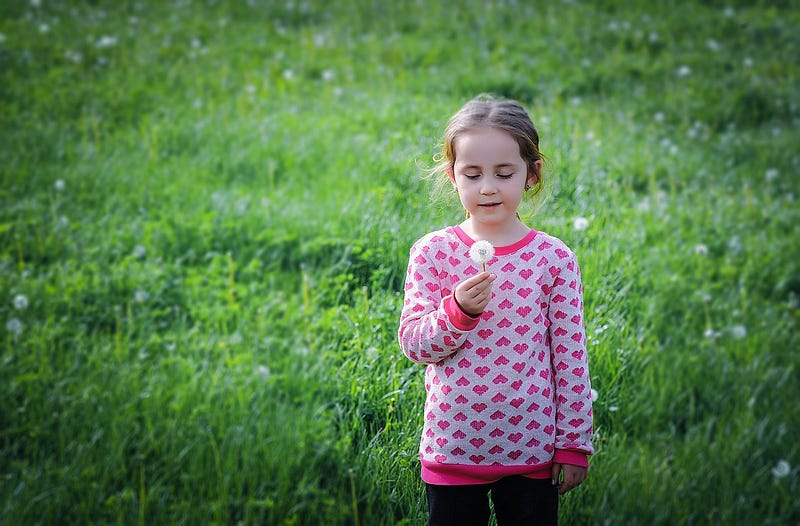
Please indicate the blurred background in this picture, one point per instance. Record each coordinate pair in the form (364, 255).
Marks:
(207, 208)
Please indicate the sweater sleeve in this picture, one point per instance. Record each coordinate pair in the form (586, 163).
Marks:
(574, 418)
(432, 326)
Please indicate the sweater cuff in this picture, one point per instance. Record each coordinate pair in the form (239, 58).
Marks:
(574, 458)
(459, 318)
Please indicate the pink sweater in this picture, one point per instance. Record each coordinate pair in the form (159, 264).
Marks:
(508, 393)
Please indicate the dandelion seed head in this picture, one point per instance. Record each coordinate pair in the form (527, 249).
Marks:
(14, 326)
(781, 469)
(684, 71)
(106, 41)
(141, 295)
(481, 251)
(738, 331)
(595, 395)
(21, 302)
(263, 371)
(59, 185)
(701, 249)
(771, 174)
(580, 224)
(328, 75)
(710, 333)
(2, 38)
(613, 408)
(44, 28)
(658, 116)
(139, 251)
(288, 74)
(748, 62)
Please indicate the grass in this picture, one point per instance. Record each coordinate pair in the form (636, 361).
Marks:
(206, 214)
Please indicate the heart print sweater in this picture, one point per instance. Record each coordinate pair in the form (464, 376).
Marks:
(508, 392)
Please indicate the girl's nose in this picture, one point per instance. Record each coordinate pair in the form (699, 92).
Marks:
(488, 188)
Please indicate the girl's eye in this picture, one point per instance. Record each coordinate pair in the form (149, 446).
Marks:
(505, 176)
(472, 176)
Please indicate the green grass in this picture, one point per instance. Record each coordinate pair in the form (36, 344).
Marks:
(208, 207)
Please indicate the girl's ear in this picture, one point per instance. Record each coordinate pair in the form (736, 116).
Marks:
(451, 174)
(533, 175)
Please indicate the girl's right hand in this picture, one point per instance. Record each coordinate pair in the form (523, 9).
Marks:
(473, 294)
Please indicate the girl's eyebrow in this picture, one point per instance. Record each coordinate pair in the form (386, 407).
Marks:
(475, 166)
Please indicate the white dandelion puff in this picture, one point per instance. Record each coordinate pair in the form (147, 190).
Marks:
(139, 251)
(14, 326)
(2, 38)
(684, 71)
(263, 371)
(141, 296)
(700, 249)
(106, 41)
(781, 469)
(738, 331)
(59, 185)
(771, 174)
(595, 395)
(481, 252)
(580, 224)
(21, 302)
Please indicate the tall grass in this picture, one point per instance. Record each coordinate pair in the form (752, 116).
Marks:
(206, 213)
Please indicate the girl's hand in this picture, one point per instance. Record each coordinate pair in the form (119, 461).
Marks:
(573, 476)
(473, 294)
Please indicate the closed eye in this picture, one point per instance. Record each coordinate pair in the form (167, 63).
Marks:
(505, 176)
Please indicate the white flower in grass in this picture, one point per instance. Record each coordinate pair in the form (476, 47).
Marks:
(59, 185)
(748, 62)
(595, 395)
(713, 45)
(141, 296)
(263, 371)
(139, 251)
(658, 116)
(36, 3)
(14, 326)
(288, 74)
(580, 224)
(700, 249)
(481, 252)
(328, 75)
(781, 469)
(106, 41)
(684, 71)
(738, 331)
(2, 38)
(613, 408)
(710, 333)
(771, 174)
(21, 302)
(44, 28)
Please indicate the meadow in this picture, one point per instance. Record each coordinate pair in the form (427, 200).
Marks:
(207, 208)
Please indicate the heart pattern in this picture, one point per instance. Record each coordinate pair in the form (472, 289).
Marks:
(509, 387)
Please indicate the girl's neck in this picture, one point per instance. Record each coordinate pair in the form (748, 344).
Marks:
(498, 235)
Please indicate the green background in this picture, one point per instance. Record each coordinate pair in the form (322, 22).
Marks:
(206, 211)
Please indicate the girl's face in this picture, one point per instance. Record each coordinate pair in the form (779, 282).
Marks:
(490, 175)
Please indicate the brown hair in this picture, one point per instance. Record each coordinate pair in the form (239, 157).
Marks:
(504, 114)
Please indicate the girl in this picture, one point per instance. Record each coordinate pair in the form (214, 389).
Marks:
(508, 405)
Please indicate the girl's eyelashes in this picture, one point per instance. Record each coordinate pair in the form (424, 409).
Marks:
(500, 175)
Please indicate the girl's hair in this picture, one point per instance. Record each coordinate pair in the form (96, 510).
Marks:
(504, 114)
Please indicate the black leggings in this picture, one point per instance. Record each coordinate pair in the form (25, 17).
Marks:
(517, 501)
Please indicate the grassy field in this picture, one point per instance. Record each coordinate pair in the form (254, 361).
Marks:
(206, 213)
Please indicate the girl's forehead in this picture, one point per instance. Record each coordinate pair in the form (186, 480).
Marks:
(486, 145)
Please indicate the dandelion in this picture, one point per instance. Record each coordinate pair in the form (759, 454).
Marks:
(288, 74)
(748, 62)
(36, 3)
(713, 45)
(771, 174)
(328, 75)
(141, 296)
(481, 252)
(684, 71)
(14, 326)
(263, 371)
(44, 28)
(701, 250)
(729, 12)
(106, 41)
(710, 333)
(580, 224)
(139, 251)
(781, 469)
(21, 302)
(658, 117)
(738, 331)
(250, 89)
(613, 408)
(653, 37)
(59, 185)
(595, 396)
(2, 38)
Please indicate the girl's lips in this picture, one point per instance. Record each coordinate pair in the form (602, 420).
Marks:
(489, 204)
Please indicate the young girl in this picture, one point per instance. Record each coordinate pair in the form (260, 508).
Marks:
(508, 407)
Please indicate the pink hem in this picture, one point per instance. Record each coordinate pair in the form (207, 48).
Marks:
(499, 251)
(460, 474)
(574, 458)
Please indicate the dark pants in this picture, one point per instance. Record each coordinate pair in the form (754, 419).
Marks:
(517, 501)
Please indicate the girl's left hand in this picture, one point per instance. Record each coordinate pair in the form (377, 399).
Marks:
(573, 476)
